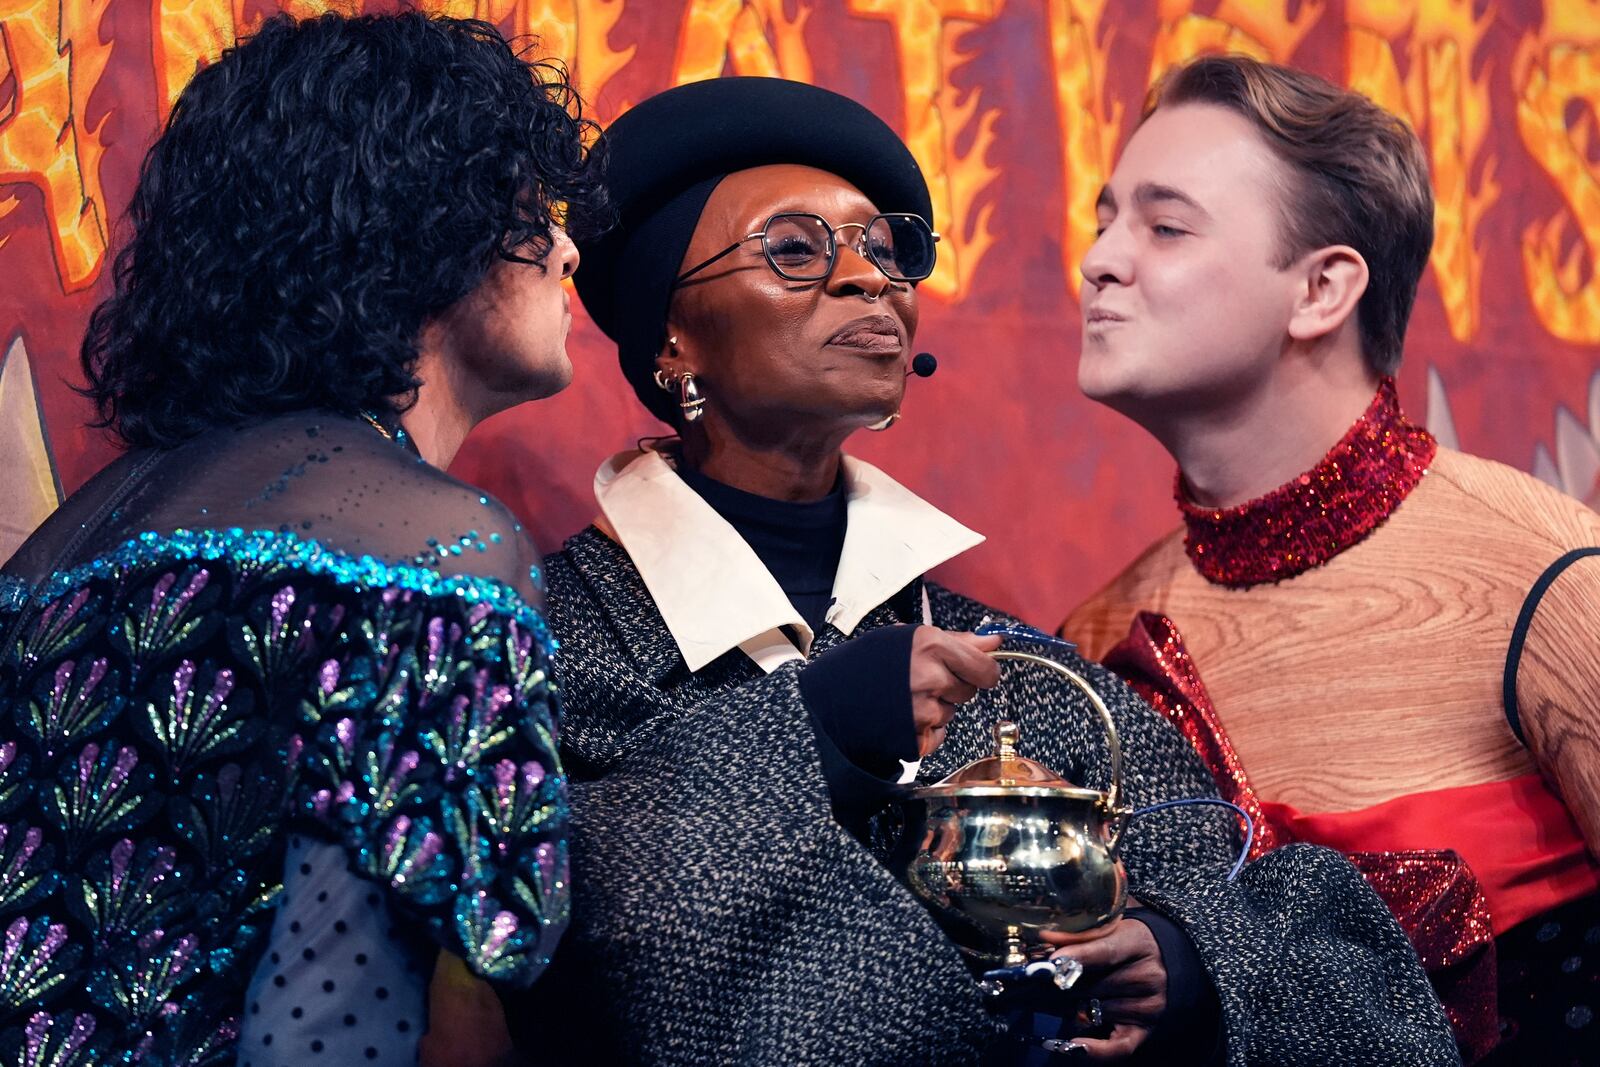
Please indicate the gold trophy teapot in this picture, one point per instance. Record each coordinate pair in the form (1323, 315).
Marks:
(1005, 848)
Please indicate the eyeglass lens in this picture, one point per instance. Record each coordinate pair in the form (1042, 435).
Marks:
(800, 247)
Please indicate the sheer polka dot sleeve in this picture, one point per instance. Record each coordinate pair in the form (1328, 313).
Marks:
(430, 756)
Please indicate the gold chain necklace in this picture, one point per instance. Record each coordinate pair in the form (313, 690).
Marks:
(372, 421)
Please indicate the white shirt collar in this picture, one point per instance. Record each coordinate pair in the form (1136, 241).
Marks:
(712, 589)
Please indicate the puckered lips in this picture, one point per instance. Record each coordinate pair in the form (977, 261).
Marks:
(877, 335)
(1099, 317)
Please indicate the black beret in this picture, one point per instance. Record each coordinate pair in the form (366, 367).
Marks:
(662, 159)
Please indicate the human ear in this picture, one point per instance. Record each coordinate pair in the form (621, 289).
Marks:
(676, 357)
(1333, 280)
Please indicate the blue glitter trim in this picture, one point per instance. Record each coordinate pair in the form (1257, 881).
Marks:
(13, 593)
(273, 547)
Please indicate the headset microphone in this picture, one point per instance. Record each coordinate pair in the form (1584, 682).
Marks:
(923, 365)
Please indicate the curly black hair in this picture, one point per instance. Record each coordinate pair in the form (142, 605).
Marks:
(318, 193)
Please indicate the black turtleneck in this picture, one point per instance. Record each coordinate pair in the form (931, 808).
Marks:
(859, 692)
(798, 543)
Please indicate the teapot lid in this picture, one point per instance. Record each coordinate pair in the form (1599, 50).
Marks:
(1005, 767)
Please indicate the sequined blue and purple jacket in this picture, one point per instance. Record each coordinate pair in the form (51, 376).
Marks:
(297, 632)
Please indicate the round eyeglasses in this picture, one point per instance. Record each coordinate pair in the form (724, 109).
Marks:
(802, 247)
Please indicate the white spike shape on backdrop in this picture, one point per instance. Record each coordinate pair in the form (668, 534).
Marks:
(1440, 422)
(1577, 455)
(1544, 468)
(29, 487)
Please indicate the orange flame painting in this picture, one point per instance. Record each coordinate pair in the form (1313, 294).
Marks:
(1015, 111)
(1449, 108)
(55, 57)
(576, 32)
(1090, 123)
(1558, 71)
(1263, 30)
(928, 39)
(752, 37)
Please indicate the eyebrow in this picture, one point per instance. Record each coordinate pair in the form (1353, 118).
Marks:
(1149, 194)
(800, 207)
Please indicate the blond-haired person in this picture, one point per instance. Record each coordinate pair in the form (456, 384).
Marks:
(1381, 645)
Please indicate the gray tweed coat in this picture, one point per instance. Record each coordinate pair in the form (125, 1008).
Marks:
(721, 915)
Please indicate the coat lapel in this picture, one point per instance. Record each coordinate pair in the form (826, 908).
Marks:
(621, 594)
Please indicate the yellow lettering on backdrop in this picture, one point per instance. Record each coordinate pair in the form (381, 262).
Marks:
(56, 57)
(1262, 30)
(1449, 109)
(1555, 69)
(752, 37)
(928, 35)
(189, 34)
(578, 32)
(1090, 124)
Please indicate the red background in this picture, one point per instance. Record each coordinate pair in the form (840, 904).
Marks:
(1066, 492)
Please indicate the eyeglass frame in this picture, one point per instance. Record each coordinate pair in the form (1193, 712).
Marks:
(833, 246)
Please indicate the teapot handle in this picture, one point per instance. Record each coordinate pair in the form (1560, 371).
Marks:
(1112, 804)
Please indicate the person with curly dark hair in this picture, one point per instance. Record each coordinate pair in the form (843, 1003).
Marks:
(279, 722)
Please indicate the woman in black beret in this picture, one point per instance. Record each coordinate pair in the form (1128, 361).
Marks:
(752, 660)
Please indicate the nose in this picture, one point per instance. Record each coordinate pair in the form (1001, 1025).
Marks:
(563, 251)
(854, 273)
(1107, 262)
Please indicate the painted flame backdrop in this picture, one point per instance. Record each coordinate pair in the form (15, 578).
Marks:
(1015, 109)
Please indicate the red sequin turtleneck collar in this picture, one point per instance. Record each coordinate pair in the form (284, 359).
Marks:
(1306, 522)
